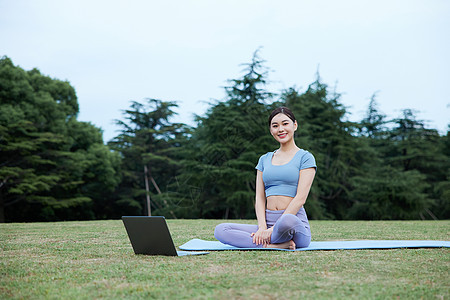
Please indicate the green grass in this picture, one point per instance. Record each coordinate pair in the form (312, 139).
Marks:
(86, 260)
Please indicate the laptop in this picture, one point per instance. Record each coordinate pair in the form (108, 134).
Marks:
(151, 236)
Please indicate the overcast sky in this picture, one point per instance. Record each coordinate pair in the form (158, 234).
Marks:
(113, 52)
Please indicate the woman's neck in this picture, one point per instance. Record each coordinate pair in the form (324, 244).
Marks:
(288, 147)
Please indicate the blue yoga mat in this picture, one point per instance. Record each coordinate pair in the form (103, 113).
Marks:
(202, 245)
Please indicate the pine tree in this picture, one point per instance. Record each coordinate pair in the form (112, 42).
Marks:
(391, 188)
(323, 131)
(225, 148)
(146, 144)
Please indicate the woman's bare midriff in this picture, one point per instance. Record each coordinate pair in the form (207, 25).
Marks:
(278, 202)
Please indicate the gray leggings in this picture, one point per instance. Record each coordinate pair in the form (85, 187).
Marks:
(285, 228)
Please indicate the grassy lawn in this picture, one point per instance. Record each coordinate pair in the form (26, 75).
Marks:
(86, 260)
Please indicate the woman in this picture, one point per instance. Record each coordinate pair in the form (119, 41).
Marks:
(283, 180)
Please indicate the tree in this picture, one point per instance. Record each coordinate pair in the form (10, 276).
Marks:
(219, 173)
(387, 193)
(403, 164)
(412, 146)
(323, 131)
(372, 126)
(146, 146)
(441, 188)
(42, 165)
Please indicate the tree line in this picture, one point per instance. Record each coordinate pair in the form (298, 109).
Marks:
(54, 167)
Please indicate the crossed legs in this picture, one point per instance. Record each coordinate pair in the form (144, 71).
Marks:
(287, 228)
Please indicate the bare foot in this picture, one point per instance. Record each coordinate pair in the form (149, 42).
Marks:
(286, 245)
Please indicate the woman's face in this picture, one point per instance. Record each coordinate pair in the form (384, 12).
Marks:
(282, 128)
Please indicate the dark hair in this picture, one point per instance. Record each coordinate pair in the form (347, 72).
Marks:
(282, 110)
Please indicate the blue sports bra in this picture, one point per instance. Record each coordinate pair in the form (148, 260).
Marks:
(282, 180)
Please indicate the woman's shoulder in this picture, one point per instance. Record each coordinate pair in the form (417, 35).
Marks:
(264, 160)
(306, 159)
(268, 154)
(303, 152)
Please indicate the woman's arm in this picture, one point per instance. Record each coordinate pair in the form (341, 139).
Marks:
(305, 181)
(262, 236)
(260, 202)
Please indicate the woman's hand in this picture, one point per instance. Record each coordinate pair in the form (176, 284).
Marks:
(262, 236)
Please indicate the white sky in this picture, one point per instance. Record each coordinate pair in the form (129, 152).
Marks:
(113, 52)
